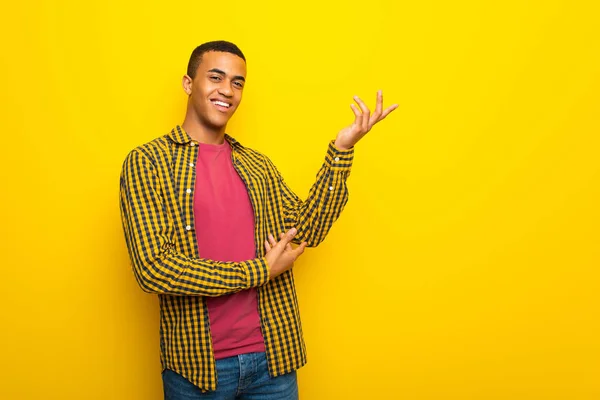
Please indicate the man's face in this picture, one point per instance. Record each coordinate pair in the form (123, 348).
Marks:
(216, 91)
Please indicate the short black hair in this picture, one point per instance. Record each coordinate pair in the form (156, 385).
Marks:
(218, 45)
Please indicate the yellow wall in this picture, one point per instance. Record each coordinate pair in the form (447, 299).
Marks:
(466, 263)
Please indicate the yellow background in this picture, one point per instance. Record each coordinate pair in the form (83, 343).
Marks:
(465, 265)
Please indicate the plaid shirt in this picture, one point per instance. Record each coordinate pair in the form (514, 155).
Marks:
(156, 198)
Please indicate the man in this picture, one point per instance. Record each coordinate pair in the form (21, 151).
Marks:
(204, 218)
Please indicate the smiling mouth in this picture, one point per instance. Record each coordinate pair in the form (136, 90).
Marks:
(221, 105)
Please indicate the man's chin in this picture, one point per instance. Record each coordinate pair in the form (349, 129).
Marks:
(216, 123)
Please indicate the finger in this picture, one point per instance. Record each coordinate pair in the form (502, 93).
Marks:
(267, 246)
(365, 112)
(378, 109)
(358, 115)
(272, 240)
(299, 250)
(379, 105)
(287, 246)
(387, 111)
(289, 235)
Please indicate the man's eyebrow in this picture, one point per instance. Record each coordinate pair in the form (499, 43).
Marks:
(218, 71)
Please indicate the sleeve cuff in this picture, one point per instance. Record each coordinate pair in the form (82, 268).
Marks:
(257, 272)
(339, 159)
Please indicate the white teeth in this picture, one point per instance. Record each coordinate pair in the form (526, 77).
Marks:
(220, 103)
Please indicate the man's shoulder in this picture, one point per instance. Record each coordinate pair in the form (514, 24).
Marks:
(152, 149)
(247, 152)
(250, 152)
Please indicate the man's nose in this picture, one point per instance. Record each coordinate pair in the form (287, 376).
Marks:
(225, 89)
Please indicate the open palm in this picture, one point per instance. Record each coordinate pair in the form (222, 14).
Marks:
(363, 122)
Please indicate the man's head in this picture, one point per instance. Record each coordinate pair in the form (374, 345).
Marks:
(214, 82)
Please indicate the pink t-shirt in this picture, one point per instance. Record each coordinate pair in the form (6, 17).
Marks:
(224, 221)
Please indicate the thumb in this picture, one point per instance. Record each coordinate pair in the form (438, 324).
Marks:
(300, 249)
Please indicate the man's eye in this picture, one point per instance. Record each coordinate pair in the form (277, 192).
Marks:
(238, 84)
(215, 78)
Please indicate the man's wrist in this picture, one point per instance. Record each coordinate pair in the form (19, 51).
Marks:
(341, 146)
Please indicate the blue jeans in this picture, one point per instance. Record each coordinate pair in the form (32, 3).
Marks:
(243, 377)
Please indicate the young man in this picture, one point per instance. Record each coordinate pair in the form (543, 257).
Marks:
(203, 217)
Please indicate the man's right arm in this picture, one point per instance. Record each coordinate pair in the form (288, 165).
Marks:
(157, 265)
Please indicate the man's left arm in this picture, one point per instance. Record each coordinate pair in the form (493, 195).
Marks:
(314, 216)
(329, 194)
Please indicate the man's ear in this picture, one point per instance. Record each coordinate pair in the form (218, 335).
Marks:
(186, 82)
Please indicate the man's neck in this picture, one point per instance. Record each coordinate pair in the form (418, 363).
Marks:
(201, 133)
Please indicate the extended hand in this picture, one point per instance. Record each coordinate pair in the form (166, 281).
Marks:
(363, 122)
(280, 255)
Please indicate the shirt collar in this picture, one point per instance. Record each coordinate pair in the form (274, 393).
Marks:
(180, 136)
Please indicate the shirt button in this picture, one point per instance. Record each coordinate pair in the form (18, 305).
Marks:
(188, 191)
(336, 159)
(330, 187)
(188, 228)
(192, 144)
(191, 164)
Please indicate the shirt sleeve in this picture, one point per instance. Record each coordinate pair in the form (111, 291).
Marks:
(149, 232)
(326, 199)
